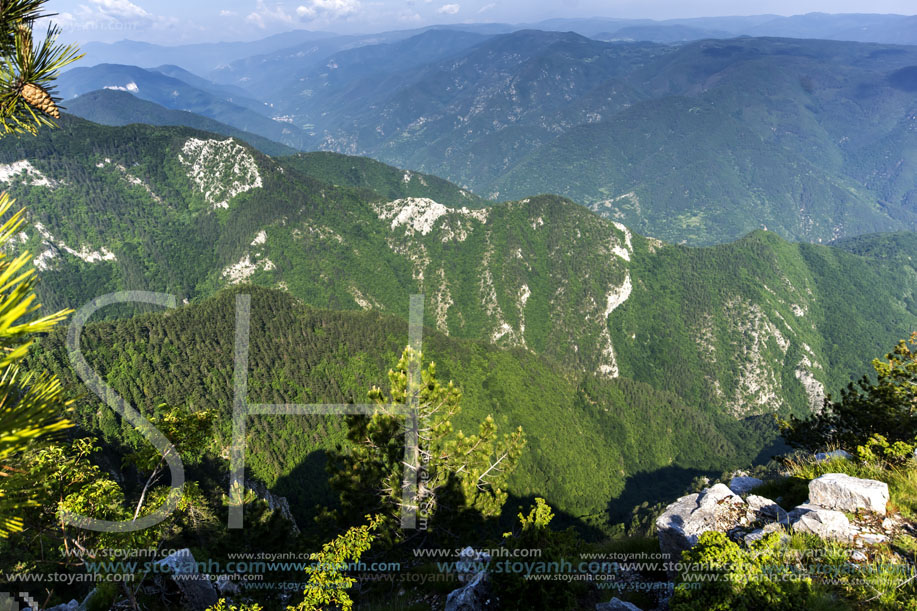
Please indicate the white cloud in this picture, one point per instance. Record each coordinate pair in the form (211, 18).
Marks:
(409, 17)
(121, 9)
(487, 7)
(265, 15)
(111, 16)
(449, 9)
(328, 9)
(225, 13)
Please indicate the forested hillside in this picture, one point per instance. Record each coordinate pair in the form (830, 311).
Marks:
(612, 430)
(645, 282)
(758, 326)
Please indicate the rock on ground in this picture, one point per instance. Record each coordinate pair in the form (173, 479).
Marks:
(840, 491)
(760, 533)
(716, 508)
(825, 523)
(765, 510)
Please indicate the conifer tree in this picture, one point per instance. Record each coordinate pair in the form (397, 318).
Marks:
(457, 472)
(27, 69)
(31, 406)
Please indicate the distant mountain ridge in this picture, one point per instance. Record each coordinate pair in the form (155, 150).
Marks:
(155, 86)
(199, 58)
(112, 107)
(698, 143)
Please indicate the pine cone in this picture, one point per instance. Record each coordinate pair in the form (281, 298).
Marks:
(38, 98)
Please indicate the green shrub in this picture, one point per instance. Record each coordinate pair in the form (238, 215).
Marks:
(730, 578)
(878, 448)
(517, 592)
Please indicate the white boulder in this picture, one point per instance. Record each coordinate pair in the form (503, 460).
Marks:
(840, 491)
(825, 523)
(716, 508)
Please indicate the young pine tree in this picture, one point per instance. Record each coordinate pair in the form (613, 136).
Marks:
(455, 472)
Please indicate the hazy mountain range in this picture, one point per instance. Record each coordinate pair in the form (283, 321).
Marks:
(699, 142)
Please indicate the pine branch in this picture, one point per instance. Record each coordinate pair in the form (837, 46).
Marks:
(27, 100)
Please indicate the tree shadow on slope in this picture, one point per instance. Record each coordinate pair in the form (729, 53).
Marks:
(662, 485)
(308, 491)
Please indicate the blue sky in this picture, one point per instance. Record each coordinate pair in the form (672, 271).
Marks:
(180, 21)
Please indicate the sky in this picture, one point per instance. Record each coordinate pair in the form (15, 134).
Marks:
(184, 21)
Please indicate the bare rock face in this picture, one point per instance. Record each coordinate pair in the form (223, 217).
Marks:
(845, 493)
(473, 596)
(716, 508)
(825, 523)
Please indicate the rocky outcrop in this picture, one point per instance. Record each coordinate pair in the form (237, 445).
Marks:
(765, 510)
(470, 563)
(274, 502)
(473, 596)
(720, 508)
(845, 493)
(716, 508)
(825, 523)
